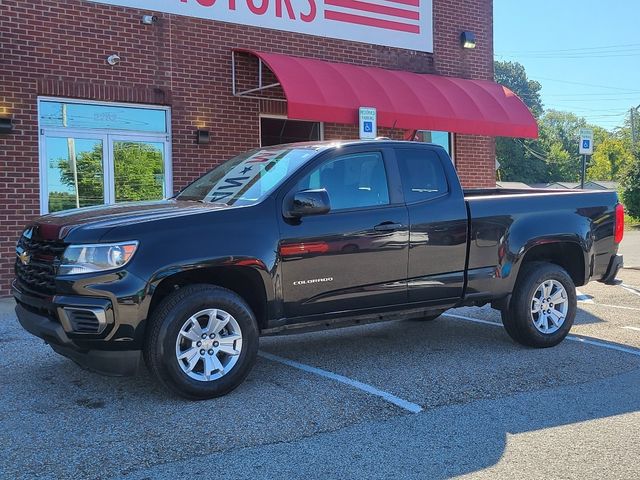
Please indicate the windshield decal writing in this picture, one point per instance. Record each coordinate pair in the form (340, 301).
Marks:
(239, 179)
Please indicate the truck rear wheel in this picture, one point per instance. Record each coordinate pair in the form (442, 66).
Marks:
(202, 341)
(543, 306)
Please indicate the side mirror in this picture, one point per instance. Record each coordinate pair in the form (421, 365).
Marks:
(309, 202)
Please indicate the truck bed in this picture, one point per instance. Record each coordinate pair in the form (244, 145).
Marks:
(505, 222)
(490, 192)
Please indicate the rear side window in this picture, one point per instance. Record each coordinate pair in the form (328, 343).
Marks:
(422, 174)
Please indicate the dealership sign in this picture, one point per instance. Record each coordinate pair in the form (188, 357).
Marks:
(394, 23)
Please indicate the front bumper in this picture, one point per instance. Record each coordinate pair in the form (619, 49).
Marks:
(107, 362)
(615, 264)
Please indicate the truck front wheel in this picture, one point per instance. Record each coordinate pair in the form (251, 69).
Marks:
(543, 306)
(202, 341)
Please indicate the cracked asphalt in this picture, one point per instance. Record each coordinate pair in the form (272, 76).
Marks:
(491, 408)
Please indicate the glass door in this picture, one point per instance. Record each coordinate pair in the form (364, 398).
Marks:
(96, 153)
(82, 169)
(138, 165)
(73, 171)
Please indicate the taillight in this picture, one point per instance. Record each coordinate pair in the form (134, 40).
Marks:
(618, 230)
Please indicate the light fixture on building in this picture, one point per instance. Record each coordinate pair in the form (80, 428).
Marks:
(113, 59)
(149, 19)
(468, 39)
(6, 124)
(202, 137)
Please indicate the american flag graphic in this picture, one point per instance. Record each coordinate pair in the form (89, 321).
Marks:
(396, 15)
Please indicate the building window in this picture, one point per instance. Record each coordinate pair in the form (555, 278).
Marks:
(444, 139)
(97, 153)
(279, 130)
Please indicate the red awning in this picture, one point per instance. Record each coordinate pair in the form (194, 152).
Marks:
(333, 92)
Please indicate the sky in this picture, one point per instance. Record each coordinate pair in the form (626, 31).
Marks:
(585, 53)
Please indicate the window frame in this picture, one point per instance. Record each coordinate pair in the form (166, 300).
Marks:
(451, 142)
(437, 152)
(394, 186)
(108, 136)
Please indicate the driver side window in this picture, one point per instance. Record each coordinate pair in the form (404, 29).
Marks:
(352, 181)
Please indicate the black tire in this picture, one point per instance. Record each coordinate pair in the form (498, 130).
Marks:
(517, 318)
(163, 329)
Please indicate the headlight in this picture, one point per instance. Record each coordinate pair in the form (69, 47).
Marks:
(96, 258)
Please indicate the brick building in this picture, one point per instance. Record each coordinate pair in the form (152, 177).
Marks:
(105, 101)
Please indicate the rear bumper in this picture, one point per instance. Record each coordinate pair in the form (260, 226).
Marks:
(615, 264)
(117, 363)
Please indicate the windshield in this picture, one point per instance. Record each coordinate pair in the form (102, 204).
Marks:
(247, 178)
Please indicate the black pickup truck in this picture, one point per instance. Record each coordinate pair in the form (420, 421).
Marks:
(298, 236)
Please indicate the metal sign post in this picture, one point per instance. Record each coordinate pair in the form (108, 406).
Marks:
(585, 148)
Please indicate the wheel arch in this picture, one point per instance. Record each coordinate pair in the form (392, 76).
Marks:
(567, 254)
(245, 281)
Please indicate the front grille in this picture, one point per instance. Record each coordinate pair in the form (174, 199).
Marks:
(39, 271)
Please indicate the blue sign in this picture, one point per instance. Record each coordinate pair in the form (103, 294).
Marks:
(586, 141)
(367, 122)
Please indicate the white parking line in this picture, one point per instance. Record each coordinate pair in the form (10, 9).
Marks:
(610, 346)
(471, 319)
(616, 306)
(633, 328)
(411, 407)
(630, 289)
(573, 338)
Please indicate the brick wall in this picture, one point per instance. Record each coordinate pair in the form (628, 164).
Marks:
(58, 48)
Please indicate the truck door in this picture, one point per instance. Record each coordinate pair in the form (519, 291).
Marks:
(355, 256)
(438, 219)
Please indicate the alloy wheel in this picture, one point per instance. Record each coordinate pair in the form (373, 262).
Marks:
(209, 344)
(549, 306)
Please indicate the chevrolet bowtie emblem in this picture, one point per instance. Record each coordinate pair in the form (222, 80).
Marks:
(24, 257)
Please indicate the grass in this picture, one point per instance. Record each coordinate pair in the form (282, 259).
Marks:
(631, 223)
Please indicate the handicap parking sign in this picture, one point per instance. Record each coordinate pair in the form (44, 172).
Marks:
(367, 121)
(586, 141)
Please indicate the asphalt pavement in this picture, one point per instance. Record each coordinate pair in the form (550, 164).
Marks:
(630, 248)
(342, 403)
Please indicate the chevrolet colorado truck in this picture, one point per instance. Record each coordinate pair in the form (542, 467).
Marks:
(302, 236)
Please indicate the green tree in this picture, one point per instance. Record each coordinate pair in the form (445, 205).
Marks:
(631, 187)
(61, 201)
(90, 186)
(560, 164)
(514, 76)
(138, 175)
(559, 138)
(520, 159)
(611, 158)
(139, 171)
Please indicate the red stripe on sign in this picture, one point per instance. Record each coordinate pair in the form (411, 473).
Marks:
(371, 22)
(413, 3)
(369, 7)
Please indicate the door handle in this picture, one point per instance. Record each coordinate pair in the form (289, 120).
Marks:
(387, 227)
